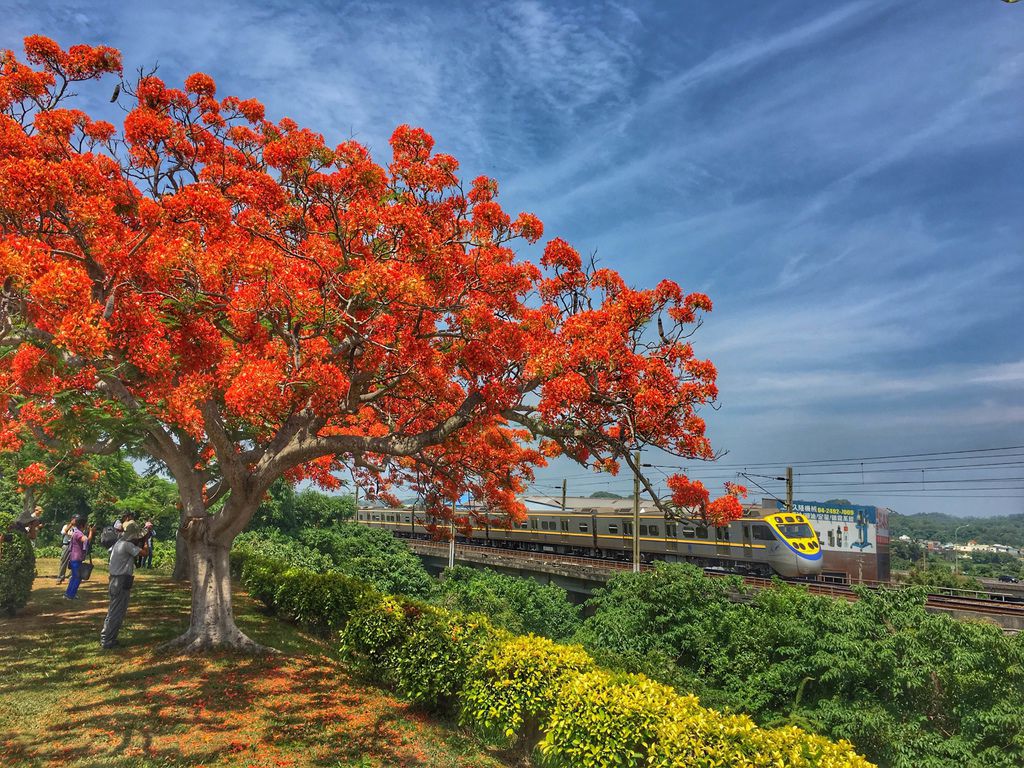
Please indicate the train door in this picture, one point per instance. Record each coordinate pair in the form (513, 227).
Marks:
(722, 548)
(748, 544)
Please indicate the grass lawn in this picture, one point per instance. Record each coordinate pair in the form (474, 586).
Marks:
(64, 702)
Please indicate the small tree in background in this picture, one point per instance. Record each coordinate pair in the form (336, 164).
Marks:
(241, 301)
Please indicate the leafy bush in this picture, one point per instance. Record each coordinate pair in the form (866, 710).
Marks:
(49, 551)
(260, 577)
(599, 719)
(520, 605)
(659, 622)
(942, 576)
(374, 632)
(431, 666)
(374, 556)
(525, 690)
(321, 601)
(512, 691)
(906, 687)
(276, 546)
(163, 554)
(17, 568)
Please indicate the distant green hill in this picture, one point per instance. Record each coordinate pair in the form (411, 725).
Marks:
(1007, 530)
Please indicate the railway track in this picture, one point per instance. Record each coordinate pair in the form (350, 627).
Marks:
(952, 600)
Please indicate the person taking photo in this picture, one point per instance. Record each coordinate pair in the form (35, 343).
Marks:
(122, 576)
(80, 541)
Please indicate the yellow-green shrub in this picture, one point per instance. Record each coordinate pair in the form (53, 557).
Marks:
(601, 719)
(511, 690)
(431, 665)
(374, 632)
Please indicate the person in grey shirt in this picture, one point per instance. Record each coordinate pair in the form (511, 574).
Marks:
(122, 575)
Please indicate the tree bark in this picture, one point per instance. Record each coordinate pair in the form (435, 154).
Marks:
(212, 624)
(181, 565)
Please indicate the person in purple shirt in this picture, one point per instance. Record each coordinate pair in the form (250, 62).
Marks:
(79, 546)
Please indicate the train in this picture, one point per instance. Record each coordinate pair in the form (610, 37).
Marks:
(779, 543)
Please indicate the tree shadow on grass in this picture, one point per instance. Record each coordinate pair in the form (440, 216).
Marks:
(68, 703)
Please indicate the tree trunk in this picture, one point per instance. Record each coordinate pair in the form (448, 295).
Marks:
(212, 623)
(181, 567)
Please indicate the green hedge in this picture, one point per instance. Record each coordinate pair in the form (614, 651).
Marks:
(528, 692)
(322, 601)
(17, 568)
(276, 546)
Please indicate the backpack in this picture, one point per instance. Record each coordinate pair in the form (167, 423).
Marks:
(109, 537)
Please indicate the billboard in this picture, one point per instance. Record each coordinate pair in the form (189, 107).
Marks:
(854, 538)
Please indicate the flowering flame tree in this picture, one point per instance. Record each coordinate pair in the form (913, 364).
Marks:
(240, 301)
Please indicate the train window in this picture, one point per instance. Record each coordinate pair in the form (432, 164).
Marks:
(584, 527)
(701, 532)
(654, 530)
(523, 524)
(671, 529)
(722, 533)
(689, 533)
(627, 528)
(796, 531)
(407, 519)
(612, 528)
(763, 533)
(565, 525)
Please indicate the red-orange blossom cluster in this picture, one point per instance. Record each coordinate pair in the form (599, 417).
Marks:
(242, 300)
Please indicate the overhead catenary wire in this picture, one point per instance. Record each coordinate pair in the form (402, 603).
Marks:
(829, 477)
(891, 459)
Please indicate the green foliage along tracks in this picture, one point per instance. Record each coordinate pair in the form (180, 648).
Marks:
(909, 688)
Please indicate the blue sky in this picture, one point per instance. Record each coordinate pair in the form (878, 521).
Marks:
(844, 179)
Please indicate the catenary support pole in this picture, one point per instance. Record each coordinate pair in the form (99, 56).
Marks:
(451, 544)
(636, 512)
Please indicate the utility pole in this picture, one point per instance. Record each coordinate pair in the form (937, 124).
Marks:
(956, 548)
(564, 489)
(636, 512)
(451, 544)
(789, 489)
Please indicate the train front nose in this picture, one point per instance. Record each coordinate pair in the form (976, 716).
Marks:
(808, 567)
